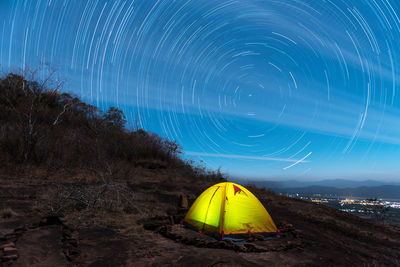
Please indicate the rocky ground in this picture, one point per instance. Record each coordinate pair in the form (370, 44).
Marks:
(150, 233)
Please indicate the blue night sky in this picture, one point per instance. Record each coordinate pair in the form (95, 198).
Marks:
(278, 89)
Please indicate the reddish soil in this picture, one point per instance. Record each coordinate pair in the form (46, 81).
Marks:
(311, 235)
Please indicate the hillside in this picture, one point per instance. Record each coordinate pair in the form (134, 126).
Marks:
(78, 189)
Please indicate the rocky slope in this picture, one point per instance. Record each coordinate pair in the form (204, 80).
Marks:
(150, 233)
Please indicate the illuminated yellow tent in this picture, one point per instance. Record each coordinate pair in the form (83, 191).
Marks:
(228, 208)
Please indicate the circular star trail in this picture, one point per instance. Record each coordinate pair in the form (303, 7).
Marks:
(261, 88)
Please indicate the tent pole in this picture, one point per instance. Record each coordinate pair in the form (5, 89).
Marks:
(222, 213)
(208, 207)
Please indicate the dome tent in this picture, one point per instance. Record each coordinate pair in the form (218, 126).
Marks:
(228, 209)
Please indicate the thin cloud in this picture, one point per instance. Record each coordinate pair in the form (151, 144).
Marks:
(231, 156)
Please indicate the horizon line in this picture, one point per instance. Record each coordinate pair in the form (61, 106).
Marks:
(233, 156)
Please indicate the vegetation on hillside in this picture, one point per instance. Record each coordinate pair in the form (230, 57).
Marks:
(45, 127)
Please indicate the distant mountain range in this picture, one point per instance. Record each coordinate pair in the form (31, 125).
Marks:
(336, 187)
(338, 183)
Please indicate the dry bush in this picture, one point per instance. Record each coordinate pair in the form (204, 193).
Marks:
(79, 196)
(101, 202)
(102, 194)
(189, 168)
(85, 204)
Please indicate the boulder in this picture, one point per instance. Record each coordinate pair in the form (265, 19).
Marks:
(11, 244)
(184, 204)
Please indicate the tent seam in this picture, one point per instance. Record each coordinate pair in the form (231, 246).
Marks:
(208, 207)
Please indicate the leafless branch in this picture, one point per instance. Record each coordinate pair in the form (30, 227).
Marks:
(62, 112)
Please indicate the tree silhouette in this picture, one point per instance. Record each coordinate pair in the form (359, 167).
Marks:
(115, 118)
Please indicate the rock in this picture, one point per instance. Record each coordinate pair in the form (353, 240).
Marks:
(10, 257)
(13, 237)
(250, 247)
(258, 237)
(11, 244)
(10, 251)
(251, 239)
(221, 244)
(178, 219)
(50, 220)
(255, 248)
(183, 201)
(20, 230)
(230, 244)
(33, 225)
(242, 248)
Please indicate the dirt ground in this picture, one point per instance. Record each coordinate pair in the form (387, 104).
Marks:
(150, 233)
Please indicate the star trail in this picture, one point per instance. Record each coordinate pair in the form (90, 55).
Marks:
(299, 89)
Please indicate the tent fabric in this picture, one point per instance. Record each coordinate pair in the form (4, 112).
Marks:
(229, 208)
